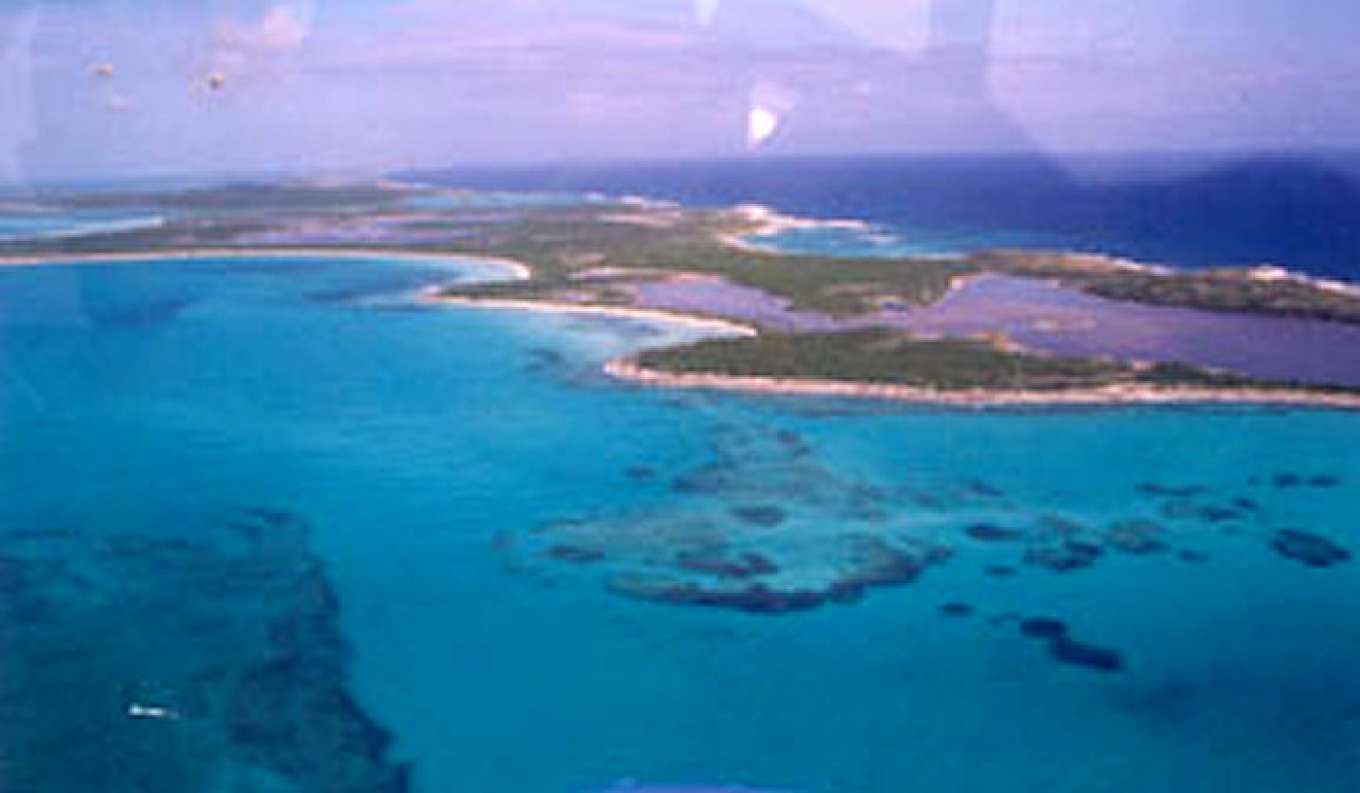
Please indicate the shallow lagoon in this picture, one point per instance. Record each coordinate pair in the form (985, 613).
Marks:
(1049, 318)
(438, 457)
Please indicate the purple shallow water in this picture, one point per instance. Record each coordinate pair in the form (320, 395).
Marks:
(1044, 316)
(711, 295)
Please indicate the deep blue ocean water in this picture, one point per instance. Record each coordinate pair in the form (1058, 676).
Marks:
(323, 527)
(1300, 210)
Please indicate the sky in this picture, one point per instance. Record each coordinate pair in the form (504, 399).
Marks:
(97, 89)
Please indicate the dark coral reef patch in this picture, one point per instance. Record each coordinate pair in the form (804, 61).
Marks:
(737, 583)
(756, 598)
(1138, 537)
(1042, 628)
(1159, 490)
(1064, 557)
(763, 515)
(640, 473)
(1066, 650)
(181, 658)
(1313, 550)
(990, 532)
(717, 562)
(575, 554)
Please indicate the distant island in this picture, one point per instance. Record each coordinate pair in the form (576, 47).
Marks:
(999, 327)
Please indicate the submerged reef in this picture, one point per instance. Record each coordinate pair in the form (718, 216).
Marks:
(764, 527)
(1189, 502)
(1285, 480)
(761, 527)
(1063, 557)
(640, 473)
(1139, 537)
(717, 562)
(872, 563)
(206, 656)
(575, 553)
(1042, 628)
(762, 515)
(1074, 653)
(1170, 491)
(989, 532)
(1182, 509)
(981, 489)
(1313, 550)
(1192, 556)
(1066, 650)
(755, 598)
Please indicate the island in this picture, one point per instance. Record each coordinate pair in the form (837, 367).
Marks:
(973, 328)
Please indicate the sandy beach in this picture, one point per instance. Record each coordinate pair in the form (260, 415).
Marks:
(1114, 395)
(627, 369)
(720, 326)
(762, 221)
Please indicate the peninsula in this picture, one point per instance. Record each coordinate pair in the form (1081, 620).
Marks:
(997, 327)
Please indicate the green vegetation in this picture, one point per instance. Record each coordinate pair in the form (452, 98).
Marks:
(594, 253)
(1231, 291)
(890, 357)
(1227, 289)
(559, 244)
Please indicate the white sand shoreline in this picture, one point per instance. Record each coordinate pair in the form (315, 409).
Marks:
(626, 368)
(1107, 396)
(763, 221)
(722, 326)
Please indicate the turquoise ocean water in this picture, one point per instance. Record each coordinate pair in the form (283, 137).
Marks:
(329, 532)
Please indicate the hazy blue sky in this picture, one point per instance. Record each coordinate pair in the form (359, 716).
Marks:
(94, 88)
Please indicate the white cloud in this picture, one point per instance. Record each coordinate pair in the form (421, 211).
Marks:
(258, 51)
(286, 26)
